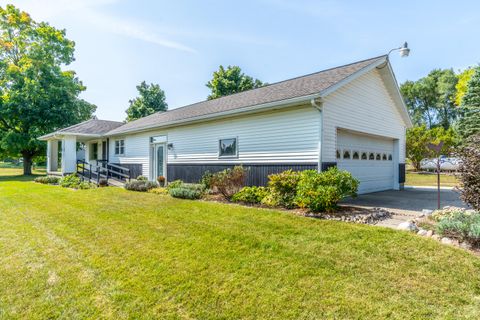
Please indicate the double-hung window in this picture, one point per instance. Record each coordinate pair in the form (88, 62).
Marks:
(119, 147)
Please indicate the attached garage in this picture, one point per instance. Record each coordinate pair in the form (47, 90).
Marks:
(369, 158)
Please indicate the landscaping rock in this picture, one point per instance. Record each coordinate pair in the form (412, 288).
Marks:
(429, 233)
(436, 237)
(422, 232)
(446, 240)
(408, 226)
(426, 212)
(465, 245)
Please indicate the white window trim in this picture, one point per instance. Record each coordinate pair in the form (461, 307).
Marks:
(235, 156)
(115, 147)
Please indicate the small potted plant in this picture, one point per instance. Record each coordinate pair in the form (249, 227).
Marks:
(161, 181)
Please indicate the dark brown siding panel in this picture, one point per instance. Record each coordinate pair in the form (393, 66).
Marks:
(257, 174)
(328, 165)
(135, 168)
(401, 173)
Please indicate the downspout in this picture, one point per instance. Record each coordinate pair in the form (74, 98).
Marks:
(318, 104)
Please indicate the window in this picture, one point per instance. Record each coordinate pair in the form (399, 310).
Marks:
(356, 155)
(227, 147)
(390, 157)
(339, 156)
(364, 156)
(379, 157)
(119, 147)
(384, 157)
(346, 154)
(94, 151)
(371, 156)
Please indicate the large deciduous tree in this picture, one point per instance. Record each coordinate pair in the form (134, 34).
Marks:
(469, 122)
(36, 95)
(419, 137)
(151, 99)
(431, 100)
(231, 80)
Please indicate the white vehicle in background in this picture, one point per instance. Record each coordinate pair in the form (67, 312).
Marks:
(446, 164)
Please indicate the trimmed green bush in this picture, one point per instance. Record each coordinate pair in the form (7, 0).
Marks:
(140, 185)
(47, 180)
(207, 180)
(142, 178)
(251, 195)
(174, 184)
(187, 191)
(84, 185)
(462, 225)
(321, 191)
(70, 181)
(283, 188)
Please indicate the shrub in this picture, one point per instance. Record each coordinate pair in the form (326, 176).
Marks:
(470, 172)
(47, 180)
(206, 180)
(70, 181)
(462, 225)
(103, 183)
(84, 185)
(142, 178)
(140, 185)
(251, 195)
(229, 181)
(283, 188)
(321, 191)
(174, 184)
(161, 181)
(187, 191)
(446, 212)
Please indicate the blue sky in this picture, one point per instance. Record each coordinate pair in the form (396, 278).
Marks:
(178, 44)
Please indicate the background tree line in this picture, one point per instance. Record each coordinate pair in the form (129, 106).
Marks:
(444, 106)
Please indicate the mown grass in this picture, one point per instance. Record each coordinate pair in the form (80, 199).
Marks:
(430, 180)
(113, 254)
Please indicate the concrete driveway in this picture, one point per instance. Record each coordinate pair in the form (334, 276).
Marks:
(409, 201)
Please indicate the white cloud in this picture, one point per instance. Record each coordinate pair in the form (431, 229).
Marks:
(90, 12)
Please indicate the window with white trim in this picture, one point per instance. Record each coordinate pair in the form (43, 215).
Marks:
(227, 147)
(119, 147)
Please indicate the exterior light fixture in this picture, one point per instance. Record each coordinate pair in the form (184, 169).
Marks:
(404, 50)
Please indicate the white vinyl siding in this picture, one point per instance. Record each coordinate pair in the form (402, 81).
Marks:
(364, 105)
(282, 136)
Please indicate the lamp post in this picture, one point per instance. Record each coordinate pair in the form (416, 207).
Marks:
(437, 148)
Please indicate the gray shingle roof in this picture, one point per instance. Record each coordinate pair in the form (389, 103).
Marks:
(297, 87)
(92, 126)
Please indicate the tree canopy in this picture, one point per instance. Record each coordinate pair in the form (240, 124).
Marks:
(469, 122)
(36, 95)
(229, 81)
(151, 99)
(431, 99)
(419, 137)
(463, 79)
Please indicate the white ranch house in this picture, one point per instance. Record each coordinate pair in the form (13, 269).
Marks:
(351, 116)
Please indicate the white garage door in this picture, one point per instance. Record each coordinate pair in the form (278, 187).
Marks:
(369, 159)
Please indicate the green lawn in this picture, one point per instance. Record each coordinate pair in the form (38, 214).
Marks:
(430, 179)
(113, 254)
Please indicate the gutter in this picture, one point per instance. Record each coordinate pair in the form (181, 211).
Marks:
(57, 135)
(319, 106)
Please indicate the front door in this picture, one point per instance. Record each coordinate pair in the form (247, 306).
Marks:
(159, 161)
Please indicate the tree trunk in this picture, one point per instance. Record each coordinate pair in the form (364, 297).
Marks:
(27, 164)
